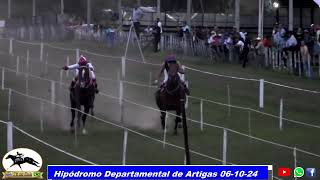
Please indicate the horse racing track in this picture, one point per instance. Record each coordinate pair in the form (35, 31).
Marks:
(224, 119)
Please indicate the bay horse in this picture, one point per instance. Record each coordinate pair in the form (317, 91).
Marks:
(83, 94)
(172, 97)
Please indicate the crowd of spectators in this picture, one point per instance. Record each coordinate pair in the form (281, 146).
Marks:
(302, 44)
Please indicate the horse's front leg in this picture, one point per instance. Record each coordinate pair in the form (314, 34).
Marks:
(177, 122)
(79, 114)
(84, 118)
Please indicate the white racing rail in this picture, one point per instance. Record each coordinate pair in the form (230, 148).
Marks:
(191, 97)
(114, 124)
(190, 68)
(157, 110)
(49, 145)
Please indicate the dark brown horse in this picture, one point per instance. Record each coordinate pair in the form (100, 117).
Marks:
(82, 94)
(171, 97)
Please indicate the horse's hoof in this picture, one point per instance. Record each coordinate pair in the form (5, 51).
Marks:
(180, 125)
(84, 131)
(92, 113)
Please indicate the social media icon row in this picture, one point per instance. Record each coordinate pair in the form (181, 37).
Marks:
(298, 172)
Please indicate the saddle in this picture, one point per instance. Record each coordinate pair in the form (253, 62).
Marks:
(182, 85)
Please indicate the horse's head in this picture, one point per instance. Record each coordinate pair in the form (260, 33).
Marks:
(173, 83)
(83, 76)
(10, 157)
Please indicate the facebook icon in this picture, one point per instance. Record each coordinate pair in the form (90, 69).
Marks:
(311, 172)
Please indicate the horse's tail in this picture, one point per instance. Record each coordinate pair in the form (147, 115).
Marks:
(31, 160)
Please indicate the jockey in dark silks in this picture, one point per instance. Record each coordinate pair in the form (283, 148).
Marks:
(171, 67)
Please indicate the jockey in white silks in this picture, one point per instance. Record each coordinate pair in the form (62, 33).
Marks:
(165, 69)
(82, 62)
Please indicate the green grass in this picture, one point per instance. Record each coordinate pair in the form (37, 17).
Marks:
(103, 144)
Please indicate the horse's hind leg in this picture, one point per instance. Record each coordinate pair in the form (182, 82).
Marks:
(73, 113)
(163, 119)
(92, 105)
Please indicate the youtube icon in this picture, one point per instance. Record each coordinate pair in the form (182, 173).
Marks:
(284, 172)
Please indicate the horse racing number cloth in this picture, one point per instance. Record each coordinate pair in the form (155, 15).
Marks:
(159, 172)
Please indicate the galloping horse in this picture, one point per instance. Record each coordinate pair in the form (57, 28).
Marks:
(172, 97)
(82, 94)
(20, 160)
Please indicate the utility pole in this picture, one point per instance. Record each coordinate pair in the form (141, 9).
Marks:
(237, 14)
(290, 15)
(88, 12)
(189, 3)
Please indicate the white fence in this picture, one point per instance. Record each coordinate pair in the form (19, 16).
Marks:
(11, 126)
(229, 105)
(226, 130)
(261, 89)
(280, 117)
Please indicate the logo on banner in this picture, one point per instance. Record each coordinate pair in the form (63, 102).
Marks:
(22, 163)
(311, 172)
(284, 172)
(298, 172)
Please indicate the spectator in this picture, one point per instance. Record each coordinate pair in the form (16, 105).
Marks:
(110, 33)
(309, 41)
(186, 29)
(159, 24)
(259, 46)
(215, 42)
(291, 43)
(136, 17)
(299, 36)
(157, 35)
(243, 47)
(305, 58)
(316, 49)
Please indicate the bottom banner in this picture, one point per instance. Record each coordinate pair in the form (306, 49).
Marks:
(257, 172)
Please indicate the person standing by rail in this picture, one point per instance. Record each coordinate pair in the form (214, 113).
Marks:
(136, 17)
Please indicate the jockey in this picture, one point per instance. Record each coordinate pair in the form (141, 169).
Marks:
(82, 62)
(171, 59)
(20, 155)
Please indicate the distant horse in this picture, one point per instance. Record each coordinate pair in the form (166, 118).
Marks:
(82, 94)
(171, 97)
(17, 160)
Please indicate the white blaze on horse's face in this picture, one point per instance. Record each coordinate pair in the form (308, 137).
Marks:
(82, 83)
(83, 72)
(21, 154)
